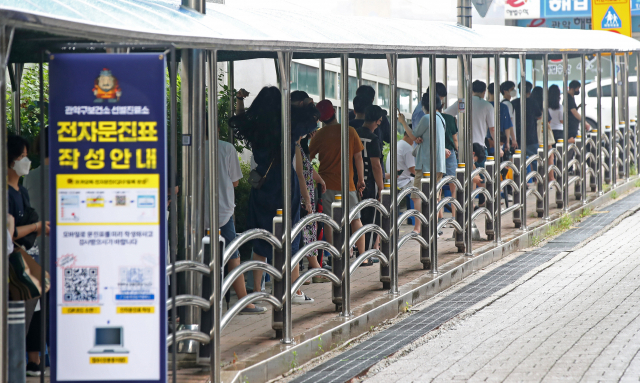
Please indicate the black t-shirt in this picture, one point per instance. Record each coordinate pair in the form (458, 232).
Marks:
(574, 123)
(371, 144)
(533, 113)
(18, 202)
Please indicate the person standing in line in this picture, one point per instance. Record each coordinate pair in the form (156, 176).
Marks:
(538, 96)
(505, 121)
(508, 91)
(533, 113)
(482, 121)
(326, 144)
(574, 117)
(556, 113)
(372, 161)
(384, 130)
(360, 103)
(423, 154)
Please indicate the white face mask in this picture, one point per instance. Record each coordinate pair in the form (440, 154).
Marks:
(513, 93)
(22, 166)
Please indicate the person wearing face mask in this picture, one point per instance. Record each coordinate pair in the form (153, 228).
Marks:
(26, 229)
(574, 116)
(508, 91)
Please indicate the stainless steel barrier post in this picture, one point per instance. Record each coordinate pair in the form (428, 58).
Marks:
(577, 186)
(540, 185)
(16, 344)
(284, 61)
(418, 82)
(433, 196)
(599, 162)
(344, 161)
(392, 61)
(523, 144)
(583, 131)
(517, 179)
(565, 153)
(609, 148)
(425, 253)
(322, 79)
(338, 265)
(545, 139)
(497, 216)
(278, 317)
(468, 149)
(593, 161)
(461, 213)
(445, 78)
(173, 249)
(613, 140)
(637, 129)
(490, 165)
(560, 193)
(385, 247)
(627, 125)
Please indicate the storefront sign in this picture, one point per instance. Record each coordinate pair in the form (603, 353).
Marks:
(567, 8)
(107, 140)
(612, 15)
(521, 9)
(560, 23)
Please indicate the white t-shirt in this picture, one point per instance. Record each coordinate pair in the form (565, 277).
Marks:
(228, 172)
(482, 118)
(512, 112)
(556, 117)
(406, 160)
(452, 110)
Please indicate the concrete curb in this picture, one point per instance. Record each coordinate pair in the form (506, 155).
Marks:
(292, 356)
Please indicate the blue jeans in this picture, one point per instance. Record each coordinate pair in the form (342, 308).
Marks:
(228, 232)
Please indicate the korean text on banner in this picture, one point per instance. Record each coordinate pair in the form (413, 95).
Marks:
(611, 15)
(107, 140)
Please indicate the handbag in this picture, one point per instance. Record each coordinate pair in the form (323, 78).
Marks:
(256, 180)
(25, 275)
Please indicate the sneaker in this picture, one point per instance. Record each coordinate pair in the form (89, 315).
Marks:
(33, 369)
(440, 233)
(256, 310)
(301, 299)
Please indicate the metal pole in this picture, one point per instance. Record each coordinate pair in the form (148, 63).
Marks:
(627, 125)
(322, 80)
(231, 85)
(216, 309)
(433, 199)
(583, 131)
(464, 13)
(613, 156)
(523, 142)
(445, 81)
(15, 81)
(565, 156)
(6, 36)
(359, 63)
(599, 167)
(43, 254)
(462, 90)
(637, 130)
(533, 73)
(419, 82)
(392, 61)
(497, 215)
(545, 122)
(173, 250)
(344, 166)
(468, 148)
(284, 60)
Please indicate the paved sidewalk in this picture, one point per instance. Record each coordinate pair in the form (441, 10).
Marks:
(576, 320)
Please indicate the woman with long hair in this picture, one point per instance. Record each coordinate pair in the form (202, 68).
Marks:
(555, 110)
(260, 127)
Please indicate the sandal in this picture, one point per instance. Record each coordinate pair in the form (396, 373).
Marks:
(368, 262)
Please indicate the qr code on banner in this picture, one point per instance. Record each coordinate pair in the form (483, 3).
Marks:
(81, 284)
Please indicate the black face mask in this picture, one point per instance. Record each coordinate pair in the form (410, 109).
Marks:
(576, 93)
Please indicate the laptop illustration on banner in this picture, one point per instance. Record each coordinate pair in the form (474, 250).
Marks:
(109, 340)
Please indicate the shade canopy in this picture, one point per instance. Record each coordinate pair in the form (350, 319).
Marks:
(241, 33)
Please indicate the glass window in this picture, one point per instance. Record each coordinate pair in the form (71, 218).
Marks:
(330, 90)
(353, 86)
(606, 91)
(383, 95)
(404, 100)
(304, 77)
(414, 101)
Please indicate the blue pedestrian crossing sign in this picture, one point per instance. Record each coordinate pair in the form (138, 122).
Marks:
(611, 19)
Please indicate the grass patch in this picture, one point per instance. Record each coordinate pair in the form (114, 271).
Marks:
(633, 171)
(637, 184)
(563, 224)
(606, 188)
(614, 194)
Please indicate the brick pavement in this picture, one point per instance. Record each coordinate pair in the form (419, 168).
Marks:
(575, 320)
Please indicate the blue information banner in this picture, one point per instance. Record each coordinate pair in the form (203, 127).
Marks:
(566, 8)
(107, 145)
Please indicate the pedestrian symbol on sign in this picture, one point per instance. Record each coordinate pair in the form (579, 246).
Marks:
(611, 19)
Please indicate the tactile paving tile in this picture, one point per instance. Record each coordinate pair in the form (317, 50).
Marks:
(356, 360)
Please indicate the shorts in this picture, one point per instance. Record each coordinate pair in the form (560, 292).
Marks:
(228, 232)
(417, 182)
(452, 164)
(328, 197)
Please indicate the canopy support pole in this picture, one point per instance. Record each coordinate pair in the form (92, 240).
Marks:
(523, 142)
(231, 85)
(613, 155)
(284, 61)
(433, 196)
(627, 126)
(545, 135)
(214, 233)
(497, 216)
(359, 63)
(322, 80)
(392, 61)
(466, 81)
(583, 133)
(599, 167)
(419, 83)
(16, 78)
(344, 172)
(565, 140)
(445, 76)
